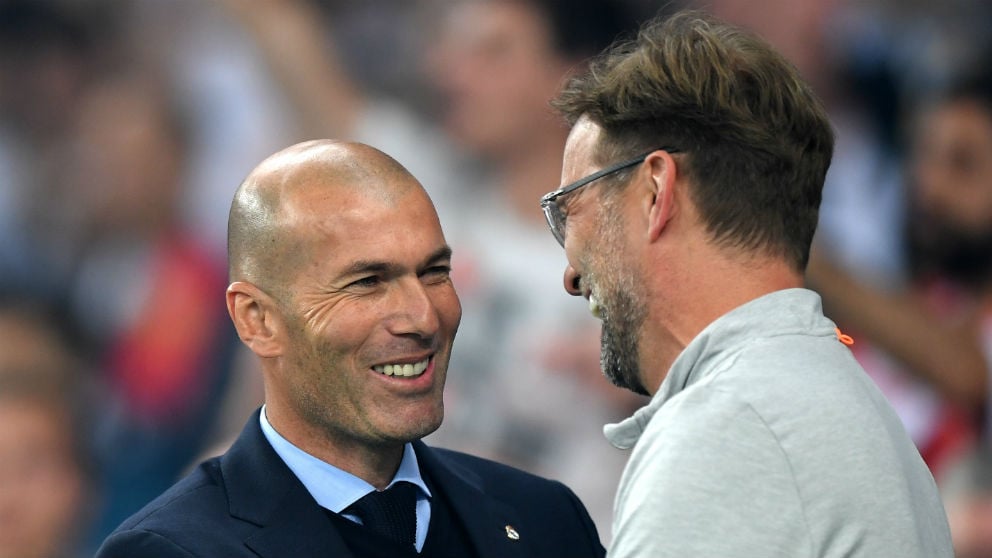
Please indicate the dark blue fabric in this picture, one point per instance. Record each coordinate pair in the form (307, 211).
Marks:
(446, 536)
(247, 503)
(363, 542)
(390, 513)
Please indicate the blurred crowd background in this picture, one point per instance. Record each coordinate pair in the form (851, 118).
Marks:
(126, 125)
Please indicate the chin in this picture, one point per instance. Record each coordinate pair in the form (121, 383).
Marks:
(413, 428)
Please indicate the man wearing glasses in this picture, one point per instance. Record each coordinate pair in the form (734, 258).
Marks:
(695, 166)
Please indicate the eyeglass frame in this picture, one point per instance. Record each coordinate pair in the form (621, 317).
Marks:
(549, 202)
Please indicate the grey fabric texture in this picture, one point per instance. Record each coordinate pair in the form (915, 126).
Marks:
(767, 439)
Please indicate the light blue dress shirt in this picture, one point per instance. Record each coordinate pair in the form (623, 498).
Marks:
(335, 489)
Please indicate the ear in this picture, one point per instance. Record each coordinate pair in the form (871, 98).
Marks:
(660, 199)
(256, 318)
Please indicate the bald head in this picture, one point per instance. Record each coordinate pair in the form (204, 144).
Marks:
(261, 242)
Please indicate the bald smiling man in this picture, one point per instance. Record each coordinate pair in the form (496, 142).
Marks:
(340, 285)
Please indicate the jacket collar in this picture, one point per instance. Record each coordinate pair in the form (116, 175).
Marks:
(487, 520)
(262, 490)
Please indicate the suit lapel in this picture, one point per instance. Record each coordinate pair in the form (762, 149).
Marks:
(298, 532)
(485, 518)
(262, 490)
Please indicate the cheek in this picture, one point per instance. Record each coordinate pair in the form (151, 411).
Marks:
(580, 242)
(320, 313)
(966, 203)
(59, 501)
(449, 307)
(343, 326)
(979, 206)
(46, 500)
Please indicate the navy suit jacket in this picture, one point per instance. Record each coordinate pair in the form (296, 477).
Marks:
(248, 503)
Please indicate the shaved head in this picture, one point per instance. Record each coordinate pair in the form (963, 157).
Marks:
(340, 276)
(263, 247)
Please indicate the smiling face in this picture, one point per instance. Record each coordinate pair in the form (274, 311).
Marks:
(371, 317)
(950, 224)
(497, 68)
(595, 246)
(341, 285)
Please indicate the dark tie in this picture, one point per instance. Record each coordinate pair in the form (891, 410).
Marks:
(391, 513)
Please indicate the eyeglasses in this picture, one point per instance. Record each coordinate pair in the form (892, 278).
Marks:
(553, 211)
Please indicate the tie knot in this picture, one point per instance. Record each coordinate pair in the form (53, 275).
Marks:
(391, 513)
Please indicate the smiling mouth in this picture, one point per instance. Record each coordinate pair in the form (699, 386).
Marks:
(407, 370)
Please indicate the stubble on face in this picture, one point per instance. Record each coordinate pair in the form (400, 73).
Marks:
(938, 246)
(342, 410)
(335, 333)
(623, 310)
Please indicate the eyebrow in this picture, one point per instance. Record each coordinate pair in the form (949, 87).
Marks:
(442, 253)
(378, 266)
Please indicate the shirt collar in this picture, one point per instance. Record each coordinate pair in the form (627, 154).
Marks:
(334, 488)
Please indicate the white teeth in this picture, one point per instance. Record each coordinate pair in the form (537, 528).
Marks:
(406, 370)
(595, 307)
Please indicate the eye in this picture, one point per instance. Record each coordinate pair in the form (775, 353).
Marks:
(368, 282)
(436, 273)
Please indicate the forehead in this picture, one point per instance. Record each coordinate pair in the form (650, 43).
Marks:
(581, 154)
(964, 119)
(338, 226)
(31, 418)
(957, 138)
(953, 161)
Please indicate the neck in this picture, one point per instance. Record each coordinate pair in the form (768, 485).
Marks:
(705, 285)
(375, 464)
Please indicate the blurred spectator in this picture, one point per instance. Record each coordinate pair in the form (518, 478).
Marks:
(145, 295)
(48, 493)
(46, 53)
(929, 346)
(888, 54)
(294, 38)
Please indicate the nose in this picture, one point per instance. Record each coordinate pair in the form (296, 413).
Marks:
(572, 281)
(415, 311)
